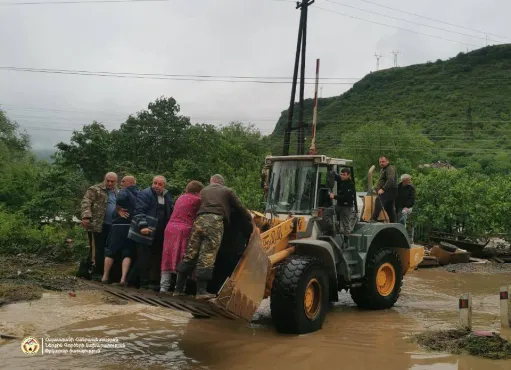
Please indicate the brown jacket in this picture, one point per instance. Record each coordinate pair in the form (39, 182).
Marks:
(94, 205)
(220, 200)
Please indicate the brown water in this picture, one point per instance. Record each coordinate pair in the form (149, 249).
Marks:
(156, 338)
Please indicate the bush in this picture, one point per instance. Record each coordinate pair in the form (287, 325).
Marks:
(17, 235)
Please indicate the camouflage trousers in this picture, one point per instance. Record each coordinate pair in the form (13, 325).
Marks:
(203, 245)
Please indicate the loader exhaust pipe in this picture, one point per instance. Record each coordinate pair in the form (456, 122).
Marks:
(370, 186)
(370, 180)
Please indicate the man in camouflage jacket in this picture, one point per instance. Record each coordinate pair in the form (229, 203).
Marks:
(217, 204)
(98, 208)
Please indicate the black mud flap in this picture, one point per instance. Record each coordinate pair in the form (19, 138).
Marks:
(184, 303)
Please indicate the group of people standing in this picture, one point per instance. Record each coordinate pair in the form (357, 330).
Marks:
(169, 242)
(396, 198)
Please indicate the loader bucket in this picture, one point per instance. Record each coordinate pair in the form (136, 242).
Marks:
(243, 292)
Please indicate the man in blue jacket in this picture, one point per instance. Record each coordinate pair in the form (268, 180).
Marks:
(118, 244)
(153, 209)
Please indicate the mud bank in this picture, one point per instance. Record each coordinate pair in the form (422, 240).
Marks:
(484, 268)
(465, 342)
(26, 277)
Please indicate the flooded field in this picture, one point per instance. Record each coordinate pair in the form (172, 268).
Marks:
(155, 338)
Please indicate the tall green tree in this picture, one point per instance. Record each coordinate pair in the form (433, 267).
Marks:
(90, 151)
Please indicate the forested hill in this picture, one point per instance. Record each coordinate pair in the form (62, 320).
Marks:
(462, 105)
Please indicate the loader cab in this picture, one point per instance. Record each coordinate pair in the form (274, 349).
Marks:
(299, 184)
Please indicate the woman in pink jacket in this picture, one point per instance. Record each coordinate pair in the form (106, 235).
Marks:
(177, 233)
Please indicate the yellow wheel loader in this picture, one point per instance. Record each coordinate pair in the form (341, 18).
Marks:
(297, 257)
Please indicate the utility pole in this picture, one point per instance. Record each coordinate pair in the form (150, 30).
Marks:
(300, 47)
(395, 57)
(312, 149)
(321, 91)
(377, 61)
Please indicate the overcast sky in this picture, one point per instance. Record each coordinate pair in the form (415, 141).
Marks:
(210, 37)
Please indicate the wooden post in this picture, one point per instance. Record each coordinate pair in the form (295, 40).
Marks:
(465, 307)
(505, 306)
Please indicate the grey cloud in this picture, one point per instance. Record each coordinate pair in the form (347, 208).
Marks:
(225, 37)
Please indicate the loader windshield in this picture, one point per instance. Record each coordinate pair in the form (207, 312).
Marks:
(292, 187)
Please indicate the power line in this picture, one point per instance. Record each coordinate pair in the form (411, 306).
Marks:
(152, 77)
(398, 28)
(68, 2)
(408, 21)
(433, 19)
(449, 132)
(187, 75)
(77, 2)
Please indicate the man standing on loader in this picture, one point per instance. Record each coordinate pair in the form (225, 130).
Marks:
(345, 200)
(217, 202)
(387, 190)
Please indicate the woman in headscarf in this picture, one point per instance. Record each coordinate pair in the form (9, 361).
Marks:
(177, 233)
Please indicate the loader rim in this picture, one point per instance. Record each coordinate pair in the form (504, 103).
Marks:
(368, 295)
(386, 279)
(312, 299)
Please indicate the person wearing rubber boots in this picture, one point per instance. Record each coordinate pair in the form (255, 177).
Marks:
(217, 202)
(98, 208)
(345, 200)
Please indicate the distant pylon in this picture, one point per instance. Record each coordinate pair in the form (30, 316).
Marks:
(395, 57)
(377, 61)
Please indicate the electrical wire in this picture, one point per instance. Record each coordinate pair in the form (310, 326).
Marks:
(408, 21)
(152, 77)
(433, 19)
(398, 28)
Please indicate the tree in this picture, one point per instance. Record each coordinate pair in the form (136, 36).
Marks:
(154, 137)
(90, 151)
(403, 144)
(12, 141)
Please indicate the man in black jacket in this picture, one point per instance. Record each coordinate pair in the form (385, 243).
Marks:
(346, 198)
(405, 198)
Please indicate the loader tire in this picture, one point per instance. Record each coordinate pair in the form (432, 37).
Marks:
(299, 295)
(382, 283)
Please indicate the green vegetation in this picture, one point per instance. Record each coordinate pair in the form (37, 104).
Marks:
(461, 105)
(456, 111)
(38, 200)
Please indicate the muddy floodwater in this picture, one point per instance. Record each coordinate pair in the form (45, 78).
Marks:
(156, 338)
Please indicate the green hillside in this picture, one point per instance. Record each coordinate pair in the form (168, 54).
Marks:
(462, 105)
